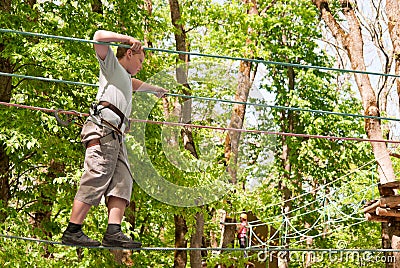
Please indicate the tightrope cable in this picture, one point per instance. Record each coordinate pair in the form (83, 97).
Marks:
(263, 131)
(46, 79)
(332, 138)
(266, 249)
(212, 99)
(201, 54)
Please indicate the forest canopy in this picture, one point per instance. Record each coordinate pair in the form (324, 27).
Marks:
(302, 165)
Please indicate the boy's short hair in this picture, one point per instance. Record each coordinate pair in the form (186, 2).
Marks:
(121, 51)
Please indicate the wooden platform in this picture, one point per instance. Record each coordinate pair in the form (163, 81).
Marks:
(387, 208)
(387, 189)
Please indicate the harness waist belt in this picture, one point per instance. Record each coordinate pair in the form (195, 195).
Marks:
(117, 111)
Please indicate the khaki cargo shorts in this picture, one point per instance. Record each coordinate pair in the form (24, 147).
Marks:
(107, 171)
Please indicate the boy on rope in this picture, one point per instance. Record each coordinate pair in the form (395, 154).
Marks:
(107, 171)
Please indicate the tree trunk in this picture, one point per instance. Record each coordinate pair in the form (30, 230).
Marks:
(180, 256)
(287, 126)
(5, 5)
(5, 96)
(228, 233)
(187, 136)
(352, 43)
(392, 12)
(232, 140)
(391, 232)
(97, 7)
(237, 118)
(149, 8)
(196, 241)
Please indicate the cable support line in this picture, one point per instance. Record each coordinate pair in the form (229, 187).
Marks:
(318, 199)
(64, 38)
(364, 191)
(256, 131)
(117, 248)
(46, 79)
(299, 135)
(268, 249)
(262, 61)
(349, 216)
(278, 107)
(28, 239)
(301, 233)
(41, 109)
(253, 235)
(272, 237)
(277, 217)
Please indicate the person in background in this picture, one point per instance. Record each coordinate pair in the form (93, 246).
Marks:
(242, 230)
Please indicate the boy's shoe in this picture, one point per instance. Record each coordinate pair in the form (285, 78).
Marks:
(120, 240)
(78, 239)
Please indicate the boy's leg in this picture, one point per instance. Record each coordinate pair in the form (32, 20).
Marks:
(116, 209)
(79, 212)
(74, 235)
(114, 236)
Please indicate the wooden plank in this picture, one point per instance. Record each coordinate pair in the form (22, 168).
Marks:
(387, 212)
(372, 207)
(373, 217)
(390, 201)
(392, 184)
(387, 189)
(370, 202)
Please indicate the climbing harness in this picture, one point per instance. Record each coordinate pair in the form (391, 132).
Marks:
(117, 132)
(95, 115)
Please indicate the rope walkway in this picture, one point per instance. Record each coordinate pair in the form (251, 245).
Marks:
(267, 249)
(321, 187)
(332, 138)
(279, 107)
(201, 54)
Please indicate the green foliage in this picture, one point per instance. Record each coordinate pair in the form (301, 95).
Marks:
(46, 159)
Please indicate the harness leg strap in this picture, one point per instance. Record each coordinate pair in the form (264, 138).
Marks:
(103, 140)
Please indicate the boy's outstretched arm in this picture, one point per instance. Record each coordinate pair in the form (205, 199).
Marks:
(108, 36)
